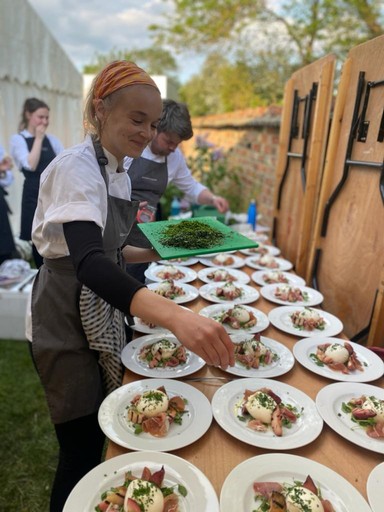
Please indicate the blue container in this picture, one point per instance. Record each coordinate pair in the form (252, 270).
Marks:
(175, 207)
(252, 214)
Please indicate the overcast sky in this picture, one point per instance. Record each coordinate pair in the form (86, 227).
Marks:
(84, 27)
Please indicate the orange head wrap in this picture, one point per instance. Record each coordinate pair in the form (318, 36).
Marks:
(119, 74)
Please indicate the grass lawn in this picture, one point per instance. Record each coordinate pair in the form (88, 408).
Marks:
(28, 446)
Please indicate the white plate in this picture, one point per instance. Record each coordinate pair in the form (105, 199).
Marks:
(196, 422)
(372, 363)
(238, 262)
(282, 365)
(200, 496)
(131, 360)
(184, 262)
(250, 294)
(152, 273)
(237, 492)
(139, 326)
(375, 488)
(191, 292)
(274, 251)
(329, 401)
(314, 297)
(225, 410)
(213, 254)
(241, 277)
(257, 237)
(293, 279)
(216, 309)
(280, 318)
(251, 261)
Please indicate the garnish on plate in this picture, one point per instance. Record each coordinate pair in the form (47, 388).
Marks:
(169, 289)
(307, 319)
(154, 412)
(263, 410)
(146, 493)
(237, 317)
(163, 353)
(285, 497)
(228, 291)
(291, 294)
(252, 353)
(367, 412)
(338, 357)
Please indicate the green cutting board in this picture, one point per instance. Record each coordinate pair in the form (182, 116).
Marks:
(232, 239)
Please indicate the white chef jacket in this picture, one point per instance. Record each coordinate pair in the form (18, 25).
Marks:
(178, 172)
(20, 152)
(72, 188)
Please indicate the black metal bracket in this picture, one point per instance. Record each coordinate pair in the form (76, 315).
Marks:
(308, 100)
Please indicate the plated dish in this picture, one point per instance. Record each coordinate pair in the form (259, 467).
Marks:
(115, 425)
(226, 260)
(372, 366)
(200, 494)
(251, 320)
(289, 320)
(281, 362)
(227, 411)
(264, 277)
(222, 293)
(238, 493)
(186, 261)
(140, 326)
(132, 358)
(268, 262)
(330, 400)
(375, 488)
(287, 294)
(262, 249)
(220, 274)
(177, 291)
(177, 272)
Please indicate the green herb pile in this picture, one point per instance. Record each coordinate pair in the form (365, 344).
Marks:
(191, 235)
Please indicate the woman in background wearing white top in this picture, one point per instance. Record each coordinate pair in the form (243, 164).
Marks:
(82, 292)
(32, 149)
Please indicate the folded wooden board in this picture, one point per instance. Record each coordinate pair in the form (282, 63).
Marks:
(232, 240)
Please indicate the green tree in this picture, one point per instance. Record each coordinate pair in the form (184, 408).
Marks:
(223, 86)
(308, 28)
(155, 60)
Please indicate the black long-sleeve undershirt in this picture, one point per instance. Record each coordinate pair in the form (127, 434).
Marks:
(94, 269)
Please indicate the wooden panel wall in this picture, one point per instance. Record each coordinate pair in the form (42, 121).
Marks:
(303, 138)
(347, 252)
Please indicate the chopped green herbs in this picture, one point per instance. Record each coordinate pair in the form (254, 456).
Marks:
(191, 235)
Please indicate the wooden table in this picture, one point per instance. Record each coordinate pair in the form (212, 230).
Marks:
(217, 453)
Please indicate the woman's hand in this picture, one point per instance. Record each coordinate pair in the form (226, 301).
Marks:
(206, 338)
(203, 336)
(220, 203)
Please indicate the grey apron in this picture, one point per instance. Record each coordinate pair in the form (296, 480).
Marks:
(149, 180)
(72, 374)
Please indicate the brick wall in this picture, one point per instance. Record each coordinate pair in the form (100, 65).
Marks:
(250, 140)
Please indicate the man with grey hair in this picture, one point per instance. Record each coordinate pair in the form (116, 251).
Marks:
(160, 164)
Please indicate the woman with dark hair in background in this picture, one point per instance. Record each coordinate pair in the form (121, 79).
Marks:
(32, 149)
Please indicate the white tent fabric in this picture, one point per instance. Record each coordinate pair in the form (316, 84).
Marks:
(33, 64)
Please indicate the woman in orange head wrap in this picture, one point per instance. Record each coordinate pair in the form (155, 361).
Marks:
(81, 293)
